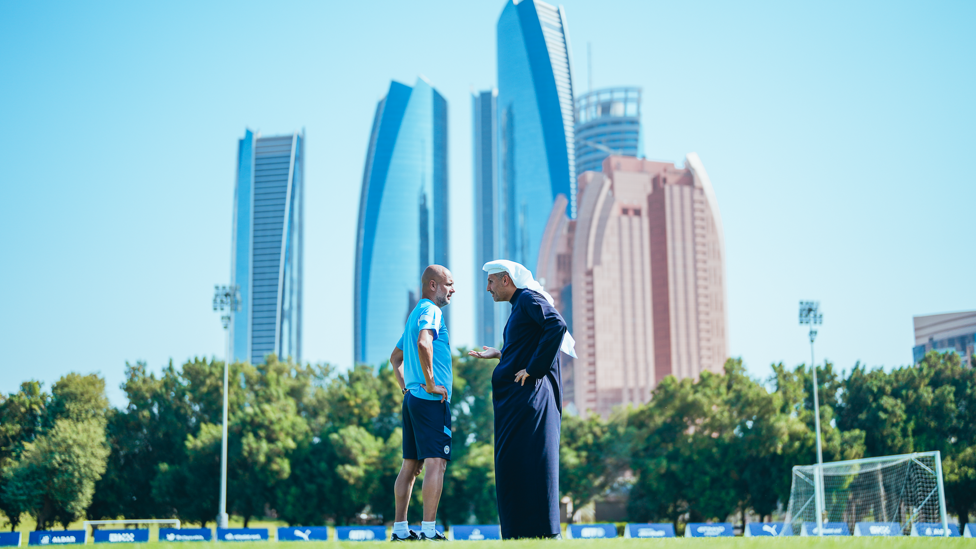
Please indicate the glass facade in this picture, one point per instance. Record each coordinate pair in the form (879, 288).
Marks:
(403, 219)
(266, 249)
(535, 126)
(963, 345)
(484, 138)
(607, 122)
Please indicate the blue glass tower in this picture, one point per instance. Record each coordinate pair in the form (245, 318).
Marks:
(536, 120)
(402, 214)
(607, 122)
(485, 140)
(266, 249)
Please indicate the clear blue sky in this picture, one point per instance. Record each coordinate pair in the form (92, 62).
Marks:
(839, 138)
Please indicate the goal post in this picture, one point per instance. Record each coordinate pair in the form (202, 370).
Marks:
(904, 489)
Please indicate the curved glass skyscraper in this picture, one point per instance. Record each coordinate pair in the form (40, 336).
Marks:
(402, 214)
(536, 120)
(266, 248)
(607, 122)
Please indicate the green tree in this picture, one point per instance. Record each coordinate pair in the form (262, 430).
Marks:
(593, 453)
(358, 454)
(184, 477)
(306, 496)
(22, 418)
(78, 398)
(469, 487)
(678, 466)
(960, 483)
(54, 479)
(924, 407)
(469, 484)
(54, 476)
(189, 488)
(264, 432)
(150, 430)
(795, 390)
(760, 434)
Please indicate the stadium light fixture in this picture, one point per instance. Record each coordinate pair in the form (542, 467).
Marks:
(226, 298)
(810, 315)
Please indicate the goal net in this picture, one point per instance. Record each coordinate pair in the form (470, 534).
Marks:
(905, 489)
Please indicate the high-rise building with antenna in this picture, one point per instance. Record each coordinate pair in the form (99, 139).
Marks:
(536, 156)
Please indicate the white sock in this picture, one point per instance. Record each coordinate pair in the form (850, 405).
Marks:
(401, 529)
(428, 528)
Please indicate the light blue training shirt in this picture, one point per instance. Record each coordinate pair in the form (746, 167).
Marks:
(426, 316)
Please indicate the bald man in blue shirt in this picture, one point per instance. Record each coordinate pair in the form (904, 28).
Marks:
(422, 364)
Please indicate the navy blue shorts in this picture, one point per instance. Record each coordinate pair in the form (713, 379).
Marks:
(426, 428)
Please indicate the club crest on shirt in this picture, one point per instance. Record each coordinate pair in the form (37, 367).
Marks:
(447, 449)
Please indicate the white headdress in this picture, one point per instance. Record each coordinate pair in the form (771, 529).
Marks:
(522, 278)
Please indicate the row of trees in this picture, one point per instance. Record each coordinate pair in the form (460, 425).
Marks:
(310, 445)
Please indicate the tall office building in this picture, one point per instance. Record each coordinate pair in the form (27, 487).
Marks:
(607, 122)
(488, 314)
(536, 118)
(403, 221)
(645, 266)
(266, 249)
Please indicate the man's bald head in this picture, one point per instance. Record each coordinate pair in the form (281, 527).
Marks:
(437, 285)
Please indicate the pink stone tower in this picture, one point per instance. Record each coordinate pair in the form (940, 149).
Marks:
(645, 261)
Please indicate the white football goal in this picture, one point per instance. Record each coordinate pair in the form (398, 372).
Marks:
(904, 489)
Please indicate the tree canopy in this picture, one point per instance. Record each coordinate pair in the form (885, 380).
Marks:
(310, 445)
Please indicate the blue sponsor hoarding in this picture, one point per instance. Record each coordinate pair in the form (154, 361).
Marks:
(121, 536)
(242, 534)
(934, 529)
(361, 533)
(303, 533)
(830, 529)
(970, 531)
(590, 531)
(706, 530)
(877, 529)
(649, 531)
(185, 534)
(476, 532)
(756, 529)
(9, 539)
(56, 537)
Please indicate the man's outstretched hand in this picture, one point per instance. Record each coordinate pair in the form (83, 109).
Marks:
(488, 352)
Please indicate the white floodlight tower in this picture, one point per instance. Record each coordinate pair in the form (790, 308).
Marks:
(225, 297)
(810, 315)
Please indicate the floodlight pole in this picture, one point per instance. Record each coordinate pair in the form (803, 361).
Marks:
(225, 297)
(810, 314)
